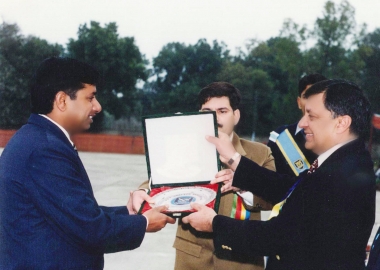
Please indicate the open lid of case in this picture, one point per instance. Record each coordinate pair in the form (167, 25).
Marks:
(177, 153)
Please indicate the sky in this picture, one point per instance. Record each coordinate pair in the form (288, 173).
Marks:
(154, 23)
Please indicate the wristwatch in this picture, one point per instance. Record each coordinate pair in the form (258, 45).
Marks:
(233, 158)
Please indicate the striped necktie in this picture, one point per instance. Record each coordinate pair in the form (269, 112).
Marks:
(313, 167)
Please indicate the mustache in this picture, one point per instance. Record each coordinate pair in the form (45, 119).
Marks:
(220, 125)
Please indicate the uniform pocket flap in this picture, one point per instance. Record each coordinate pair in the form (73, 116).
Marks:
(187, 247)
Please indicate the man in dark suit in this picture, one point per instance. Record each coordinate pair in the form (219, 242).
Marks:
(49, 217)
(326, 217)
(282, 164)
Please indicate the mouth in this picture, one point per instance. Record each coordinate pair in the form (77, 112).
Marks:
(90, 117)
(309, 136)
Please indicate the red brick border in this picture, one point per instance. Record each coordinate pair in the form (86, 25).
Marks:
(96, 142)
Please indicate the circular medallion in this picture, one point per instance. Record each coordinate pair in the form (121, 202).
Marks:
(179, 199)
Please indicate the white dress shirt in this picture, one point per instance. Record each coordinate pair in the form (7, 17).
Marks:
(60, 127)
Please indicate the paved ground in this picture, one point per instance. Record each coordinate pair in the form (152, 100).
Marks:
(112, 177)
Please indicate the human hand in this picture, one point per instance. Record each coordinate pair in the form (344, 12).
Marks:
(226, 177)
(157, 220)
(136, 199)
(202, 219)
(225, 148)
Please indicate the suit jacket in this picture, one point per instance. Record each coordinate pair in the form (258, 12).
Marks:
(282, 165)
(49, 216)
(190, 244)
(374, 255)
(324, 224)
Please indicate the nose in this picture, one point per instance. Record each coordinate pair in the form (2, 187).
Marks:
(96, 106)
(303, 122)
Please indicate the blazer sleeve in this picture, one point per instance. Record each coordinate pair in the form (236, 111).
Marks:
(262, 182)
(60, 189)
(237, 239)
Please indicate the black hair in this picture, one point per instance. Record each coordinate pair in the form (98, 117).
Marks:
(59, 74)
(220, 89)
(342, 97)
(309, 80)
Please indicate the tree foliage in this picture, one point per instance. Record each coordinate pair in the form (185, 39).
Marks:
(19, 58)
(180, 71)
(118, 60)
(266, 72)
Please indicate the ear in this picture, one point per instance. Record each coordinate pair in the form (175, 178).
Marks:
(344, 123)
(299, 103)
(60, 101)
(236, 116)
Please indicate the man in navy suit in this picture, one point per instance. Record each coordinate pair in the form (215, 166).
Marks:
(49, 217)
(325, 216)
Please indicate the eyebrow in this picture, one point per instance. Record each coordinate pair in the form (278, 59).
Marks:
(208, 109)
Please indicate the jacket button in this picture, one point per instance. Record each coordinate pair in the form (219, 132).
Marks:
(277, 257)
(226, 247)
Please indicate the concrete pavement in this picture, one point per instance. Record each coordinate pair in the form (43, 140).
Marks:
(112, 177)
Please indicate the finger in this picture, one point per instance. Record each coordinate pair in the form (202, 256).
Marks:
(186, 220)
(141, 194)
(162, 208)
(149, 199)
(212, 139)
(217, 180)
(226, 187)
(223, 172)
(196, 206)
(170, 220)
(225, 179)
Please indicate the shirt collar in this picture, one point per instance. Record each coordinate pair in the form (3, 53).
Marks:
(322, 157)
(298, 129)
(60, 127)
(231, 136)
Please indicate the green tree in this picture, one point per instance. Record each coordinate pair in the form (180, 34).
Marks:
(119, 61)
(335, 34)
(256, 87)
(19, 58)
(370, 53)
(180, 71)
(281, 59)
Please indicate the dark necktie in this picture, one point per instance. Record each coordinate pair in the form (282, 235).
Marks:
(313, 167)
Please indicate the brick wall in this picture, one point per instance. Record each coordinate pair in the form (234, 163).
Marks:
(96, 142)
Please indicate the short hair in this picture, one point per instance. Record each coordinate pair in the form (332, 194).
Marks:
(342, 97)
(59, 74)
(309, 80)
(220, 89)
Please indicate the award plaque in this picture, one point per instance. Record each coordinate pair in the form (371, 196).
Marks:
(181, 162)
